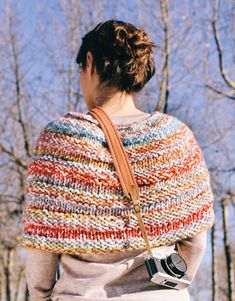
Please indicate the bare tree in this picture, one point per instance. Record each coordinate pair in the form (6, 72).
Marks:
(214, 276)
(227, 249)
(30, 97)
(230, 84)
(164, 91)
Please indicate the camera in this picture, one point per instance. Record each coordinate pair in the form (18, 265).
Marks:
(168, 271)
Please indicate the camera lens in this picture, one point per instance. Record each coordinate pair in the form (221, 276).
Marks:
(174, 265)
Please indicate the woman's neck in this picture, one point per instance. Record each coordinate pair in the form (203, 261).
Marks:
(117, 105)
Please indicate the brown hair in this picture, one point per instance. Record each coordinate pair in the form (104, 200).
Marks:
(123, 55)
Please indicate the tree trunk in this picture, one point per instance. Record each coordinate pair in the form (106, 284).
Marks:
(227, 250)
(214, 264)
(164, 91)
(7, 274)
(26, 293)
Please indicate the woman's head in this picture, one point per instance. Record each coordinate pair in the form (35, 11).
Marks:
(120, 54)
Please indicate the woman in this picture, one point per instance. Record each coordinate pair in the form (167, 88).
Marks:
(76, 213)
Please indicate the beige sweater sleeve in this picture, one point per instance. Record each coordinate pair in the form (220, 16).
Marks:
(192, 250)
(40, 273)
(41, 266)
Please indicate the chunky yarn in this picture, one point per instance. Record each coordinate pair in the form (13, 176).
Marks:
(74, 200)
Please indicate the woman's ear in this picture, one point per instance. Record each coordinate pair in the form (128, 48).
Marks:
(90, 62)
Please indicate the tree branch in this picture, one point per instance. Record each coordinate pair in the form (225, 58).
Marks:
(218, 46)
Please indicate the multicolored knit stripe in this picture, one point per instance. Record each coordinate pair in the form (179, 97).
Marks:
(74, 200)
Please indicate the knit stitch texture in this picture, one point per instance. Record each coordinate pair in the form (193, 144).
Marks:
(74, 200)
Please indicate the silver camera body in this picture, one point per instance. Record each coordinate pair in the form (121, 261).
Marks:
(168, 271)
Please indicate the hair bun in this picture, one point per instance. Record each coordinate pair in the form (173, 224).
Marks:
(134, 43)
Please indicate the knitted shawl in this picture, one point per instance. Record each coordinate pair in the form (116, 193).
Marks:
(74, 202)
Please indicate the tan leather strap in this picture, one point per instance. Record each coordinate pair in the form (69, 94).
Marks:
(123, 166)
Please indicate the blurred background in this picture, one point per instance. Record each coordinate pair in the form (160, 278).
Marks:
(194, 81)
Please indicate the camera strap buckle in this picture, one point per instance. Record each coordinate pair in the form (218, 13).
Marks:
(137, 208)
